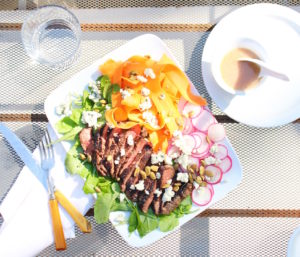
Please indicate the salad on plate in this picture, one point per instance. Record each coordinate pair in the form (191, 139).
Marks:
(143, 143)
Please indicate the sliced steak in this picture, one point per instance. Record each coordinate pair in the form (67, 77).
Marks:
(99, 149)
(182, 193)
(132, 194)
(140, 161)
(145, 197)
(156, 204)
(167, 172)
(86, 140)
(112, 150)
(134, 132)
(137, 150)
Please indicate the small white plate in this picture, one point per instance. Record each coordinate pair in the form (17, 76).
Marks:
(143, 45)
(294, 244)
(276, 30)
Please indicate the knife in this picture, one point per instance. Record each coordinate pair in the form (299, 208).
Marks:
(24, 153)
(26, 156)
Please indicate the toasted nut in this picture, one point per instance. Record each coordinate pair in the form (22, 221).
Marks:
(147, 172)
(191, 170)
(194, 167)
(209, 173)
(208, 140)
(175, 188)
(82, 156)
(203, 163)
(154, 168)
(97, 189)
(136, 172)
(199, 180)
(118, 179)
(147, 169)
(166, 186)
(177, 184)
(89, 158)
(202, 171)
(203, 177)
(190, 178)
(176, 166)
(143, 174)
(152, 175)
(203, 184)
(103, 105)
(103, 101)
(109, 158)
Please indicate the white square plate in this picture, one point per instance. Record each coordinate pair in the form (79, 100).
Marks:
(143, 45)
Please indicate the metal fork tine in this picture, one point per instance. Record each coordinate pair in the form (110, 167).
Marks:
(42, 149)
(49, 143)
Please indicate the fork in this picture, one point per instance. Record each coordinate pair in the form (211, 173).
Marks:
(47, 163)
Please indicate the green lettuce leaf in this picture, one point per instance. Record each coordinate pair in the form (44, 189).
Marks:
(65, 125)
(168, 222)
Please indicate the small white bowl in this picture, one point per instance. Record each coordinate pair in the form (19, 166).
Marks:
(227, 47)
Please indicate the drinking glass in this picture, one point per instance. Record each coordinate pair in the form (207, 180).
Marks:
(51, 36)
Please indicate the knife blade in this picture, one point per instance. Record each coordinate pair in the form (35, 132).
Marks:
(25, 154)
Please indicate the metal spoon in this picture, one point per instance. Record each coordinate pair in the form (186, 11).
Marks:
(265, 69)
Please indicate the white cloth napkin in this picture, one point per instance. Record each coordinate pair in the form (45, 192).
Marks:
(27, 227)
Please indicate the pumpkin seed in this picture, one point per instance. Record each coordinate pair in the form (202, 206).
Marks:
(143, 174)
(203, 184)
(97, 189)
(89, 158)
(166, 186)
(154, 168)
(202, 170)
(199, 180)
(103, 101)
(147, 169)
(191, 178)
(177, 184)
(191, 170)
(208, 140)
(136, 171)
(152, 175)
(209, 173)
(175, 188)
(82, 156)
(109, 158)
(203, 163)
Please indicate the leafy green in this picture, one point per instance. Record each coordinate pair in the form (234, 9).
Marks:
(73, 163)
(87, 104)
(69, 136)
(114, 88)
(105, 85)
(76, 116)
(148, 222)
(184, 207)
(120, 206)
(102, 208)
(65, 125)
(168, 222)
(90, 184)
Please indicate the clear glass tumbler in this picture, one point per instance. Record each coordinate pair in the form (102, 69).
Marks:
(51, 36)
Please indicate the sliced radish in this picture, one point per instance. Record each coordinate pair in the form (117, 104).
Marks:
(225, 164)
(216, 132)
(173, 151)
(202, 195)
(216, 173)
(191, 110)
(222, 152)
(198, 139)
(203, 149)
(193, 160)
(188, 126)
(203, 121)
(189, 141)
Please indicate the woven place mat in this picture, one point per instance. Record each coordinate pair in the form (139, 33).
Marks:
(255, 219)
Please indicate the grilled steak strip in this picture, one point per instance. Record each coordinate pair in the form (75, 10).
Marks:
(132, 194)
(99, 149)
(145, 197)
(112, 150)
(86, 140)
(156, 204)
(167, 172)
(140, 161)
(138, 149)
(182, 193)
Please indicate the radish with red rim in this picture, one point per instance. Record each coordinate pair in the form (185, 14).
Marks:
(202, 195)
(191, 111)
(188, 126)
(216, 132)
(222, 152)
(225, 164)
(202, 150)
(203, 121)
(216, 173)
